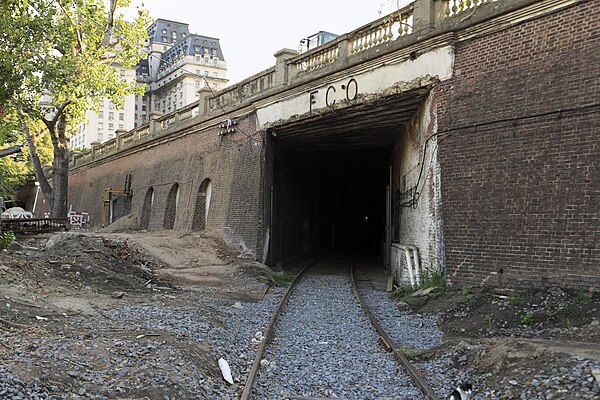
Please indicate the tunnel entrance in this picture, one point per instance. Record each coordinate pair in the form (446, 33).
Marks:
(330, 175)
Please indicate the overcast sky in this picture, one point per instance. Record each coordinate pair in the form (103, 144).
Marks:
(252, 31)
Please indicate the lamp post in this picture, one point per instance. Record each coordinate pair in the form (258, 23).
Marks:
(37, 192)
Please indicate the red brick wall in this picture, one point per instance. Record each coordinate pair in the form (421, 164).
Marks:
(234, 169)
(521, 199)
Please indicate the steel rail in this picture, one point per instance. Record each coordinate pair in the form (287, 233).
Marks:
(416, 376)
(268, 334)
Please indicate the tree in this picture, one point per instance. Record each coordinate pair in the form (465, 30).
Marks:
(57, 59)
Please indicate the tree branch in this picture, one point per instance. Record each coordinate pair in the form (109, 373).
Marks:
(110, 25)
(37, 164)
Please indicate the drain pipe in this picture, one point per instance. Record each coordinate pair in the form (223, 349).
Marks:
(409, 265)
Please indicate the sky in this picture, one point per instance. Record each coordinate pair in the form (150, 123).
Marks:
(251, 31)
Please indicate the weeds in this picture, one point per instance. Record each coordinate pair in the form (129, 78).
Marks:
(427, 279)
(279, 278)
(584, 297)
(466, 290)
(516, 300)
(410, 352)
(6, 239)
(527, 319)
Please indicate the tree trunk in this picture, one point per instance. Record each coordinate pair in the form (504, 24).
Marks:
(60, 170)
(60, 182)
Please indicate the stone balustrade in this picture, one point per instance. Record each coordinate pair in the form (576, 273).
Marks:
(402, 27)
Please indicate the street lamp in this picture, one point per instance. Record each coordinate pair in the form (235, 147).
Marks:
(37, 192)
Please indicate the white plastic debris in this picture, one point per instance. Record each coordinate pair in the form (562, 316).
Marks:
(258, 335)
(238, 305)
(225, 370)
(41, 318)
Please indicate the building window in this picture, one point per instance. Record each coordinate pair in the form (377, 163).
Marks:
(100, 126)
(197, 72)
(121, 126)
(143, 108)
(164, 31)
(198, 58)
(111, 127)
(100, 137)
(174, 36)
(214, 51)
(110, 136)
(164, 39)
(205, 73)
(122, 73)
(111, 106)
(215, 74)
(197, 85)
(216, 61)
(111, 116)
(101, 114)
(121, 117)
(206, 61)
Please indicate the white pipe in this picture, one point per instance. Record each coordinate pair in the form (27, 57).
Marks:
(409, 265)
(417, 263)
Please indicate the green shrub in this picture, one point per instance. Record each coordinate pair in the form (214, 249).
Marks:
(466, 290)
(527, 319)
(6, 239)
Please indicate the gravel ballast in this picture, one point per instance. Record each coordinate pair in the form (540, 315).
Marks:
(325, 346)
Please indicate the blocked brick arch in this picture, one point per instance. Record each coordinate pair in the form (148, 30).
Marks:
(171, 208)
(202, 205)
(147, 209)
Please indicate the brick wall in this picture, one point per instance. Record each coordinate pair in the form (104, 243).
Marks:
(232, 164)
(521, 202)
(417, 223)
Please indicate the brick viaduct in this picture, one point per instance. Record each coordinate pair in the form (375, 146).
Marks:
(467, 129)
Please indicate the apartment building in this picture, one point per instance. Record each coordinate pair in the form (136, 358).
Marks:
(179, 64)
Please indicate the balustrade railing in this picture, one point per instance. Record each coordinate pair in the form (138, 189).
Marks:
(424, 13)
(455, 7)
(318, 59)
(388, 29)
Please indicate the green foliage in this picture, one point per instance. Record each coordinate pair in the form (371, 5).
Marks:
(57, 59)
(411, 352)
(402, 292)
(527, 319)
(279, 278)
(584, 297)
(466, 290)
(429, 278)
(6, 239)
(516, 300)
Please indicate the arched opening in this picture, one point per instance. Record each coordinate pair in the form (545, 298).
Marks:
(147, 209)
(202, 205)
(171, 208)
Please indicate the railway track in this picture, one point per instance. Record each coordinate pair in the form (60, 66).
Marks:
(323, 341)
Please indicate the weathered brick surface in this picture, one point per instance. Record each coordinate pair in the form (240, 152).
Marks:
(232, 165)
(521, 200)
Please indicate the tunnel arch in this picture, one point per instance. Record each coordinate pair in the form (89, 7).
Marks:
(202, 205)
(147, 208)
(171, 207)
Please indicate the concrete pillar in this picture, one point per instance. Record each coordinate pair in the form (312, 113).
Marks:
(118, 134)
(154, 116)
(95, 144)
(205, 95)
(282, 75)
(424, 16)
